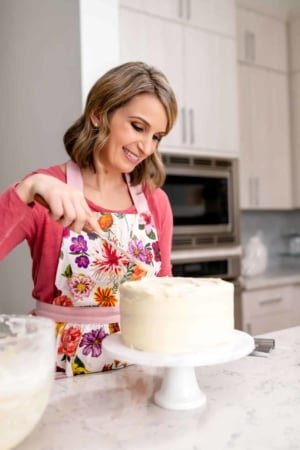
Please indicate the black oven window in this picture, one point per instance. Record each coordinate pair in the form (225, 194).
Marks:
(198, 200)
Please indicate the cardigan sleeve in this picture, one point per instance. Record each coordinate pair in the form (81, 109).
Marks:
(18, 220)
(21, 222)
(15, 221)
(163, 217)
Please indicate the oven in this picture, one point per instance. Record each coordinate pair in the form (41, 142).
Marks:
(203, 193)
(224, 262)
(204, 196)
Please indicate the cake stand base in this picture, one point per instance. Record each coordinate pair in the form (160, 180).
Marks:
(180, 389)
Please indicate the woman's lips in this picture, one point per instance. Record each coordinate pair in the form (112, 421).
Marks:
(131, 156)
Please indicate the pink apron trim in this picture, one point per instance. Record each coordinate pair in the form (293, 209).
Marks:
(82, 314)
(137, 195)
(74, 177)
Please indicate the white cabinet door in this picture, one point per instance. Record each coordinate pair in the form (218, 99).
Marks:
(201, 67)
(170, 9)
(211, 92)
(293, 40)
(265, 165)
(213, 15)
(262, 40)
(158, 43)
(295, 128)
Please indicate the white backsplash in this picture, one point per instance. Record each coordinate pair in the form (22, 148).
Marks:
(273, 225)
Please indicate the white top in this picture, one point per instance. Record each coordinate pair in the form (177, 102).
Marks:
(253, 404)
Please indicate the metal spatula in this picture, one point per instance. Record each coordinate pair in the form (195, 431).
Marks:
(146, 267)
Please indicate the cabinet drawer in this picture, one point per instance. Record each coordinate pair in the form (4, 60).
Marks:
(272, 322)
(267, 301)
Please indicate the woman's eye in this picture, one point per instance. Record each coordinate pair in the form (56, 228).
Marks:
(157, 138)
(136, 127)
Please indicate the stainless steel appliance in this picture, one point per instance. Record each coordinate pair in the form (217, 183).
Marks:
(224, 262)
(204, 197)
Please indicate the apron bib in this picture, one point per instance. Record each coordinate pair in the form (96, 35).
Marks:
(89, 272)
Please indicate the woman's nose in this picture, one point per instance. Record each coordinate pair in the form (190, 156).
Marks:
(147, 146)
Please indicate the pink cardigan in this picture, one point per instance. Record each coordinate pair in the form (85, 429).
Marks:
(20, 221)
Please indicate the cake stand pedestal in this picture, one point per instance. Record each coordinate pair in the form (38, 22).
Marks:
(180, 389)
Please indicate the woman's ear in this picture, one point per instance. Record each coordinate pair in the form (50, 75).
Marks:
(94, 116)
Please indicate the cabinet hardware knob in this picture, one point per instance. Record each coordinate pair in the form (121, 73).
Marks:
(270, 301)
(180, 8)
(183, 125)
(188, 9)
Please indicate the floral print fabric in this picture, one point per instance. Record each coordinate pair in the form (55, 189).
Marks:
(89, 273)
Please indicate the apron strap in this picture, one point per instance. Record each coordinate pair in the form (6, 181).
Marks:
(82, 314)
(74, 178)
(138, 196)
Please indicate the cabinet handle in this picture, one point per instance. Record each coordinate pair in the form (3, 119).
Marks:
(180, 8)
(188, 9)
(249, 328)
(183, 125)
(249, 46)
(270, 301)
(256, 191)
(191, 117)
(253, 195)
(250, 182)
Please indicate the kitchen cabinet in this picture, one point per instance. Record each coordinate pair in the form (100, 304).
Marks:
(265, 143)
(270, 309)
(261, 40)
(210, 15)
(294, 42)
(265, 163)
(295, 134)
(168, 8)
(147, 38)
(201, 67)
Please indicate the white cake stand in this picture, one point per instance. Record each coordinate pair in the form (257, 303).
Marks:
(180, 389)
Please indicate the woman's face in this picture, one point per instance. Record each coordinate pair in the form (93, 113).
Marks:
(136, 129)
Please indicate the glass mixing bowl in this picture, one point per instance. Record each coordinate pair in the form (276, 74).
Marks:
(27, 362)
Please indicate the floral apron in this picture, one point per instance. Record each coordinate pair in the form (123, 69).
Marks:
(89, 272)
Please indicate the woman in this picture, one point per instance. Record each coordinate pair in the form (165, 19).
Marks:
(105, 213)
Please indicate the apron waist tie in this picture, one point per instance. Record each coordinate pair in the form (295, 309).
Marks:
(81, 314)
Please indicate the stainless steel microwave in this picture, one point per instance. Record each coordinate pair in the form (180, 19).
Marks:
(204, 196)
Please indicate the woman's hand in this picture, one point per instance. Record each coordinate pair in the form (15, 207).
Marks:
(66, 204)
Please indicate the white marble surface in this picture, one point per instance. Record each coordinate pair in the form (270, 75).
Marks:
(272, 278)
(253, 404)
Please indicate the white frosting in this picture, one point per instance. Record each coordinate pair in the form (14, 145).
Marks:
(23, 410)
(176, 315)
(27, 359)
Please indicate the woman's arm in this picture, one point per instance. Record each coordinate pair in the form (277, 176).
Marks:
(19, 217)
(66, 204)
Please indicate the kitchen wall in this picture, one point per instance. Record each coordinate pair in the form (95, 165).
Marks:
(51, 52)
(274, 226)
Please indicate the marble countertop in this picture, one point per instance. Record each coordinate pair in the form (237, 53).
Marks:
(252, 404)
(272, 278)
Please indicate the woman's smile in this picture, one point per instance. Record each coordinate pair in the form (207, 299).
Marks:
(131, 156)
(135, 132)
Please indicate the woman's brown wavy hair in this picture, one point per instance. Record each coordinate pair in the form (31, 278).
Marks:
(113, 90)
